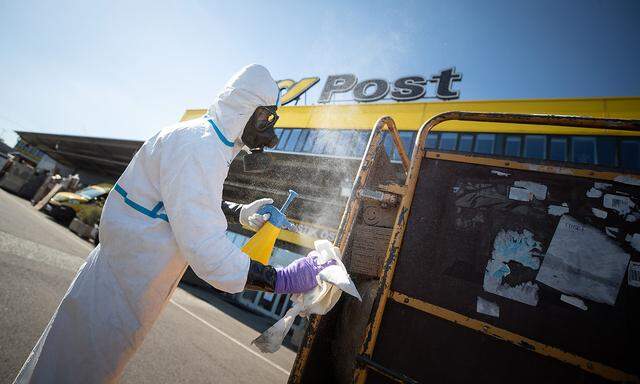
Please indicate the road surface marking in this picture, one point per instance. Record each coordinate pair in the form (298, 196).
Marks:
(231, 338)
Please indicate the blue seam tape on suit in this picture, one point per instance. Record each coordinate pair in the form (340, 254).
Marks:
(220, 135)
(151, 213)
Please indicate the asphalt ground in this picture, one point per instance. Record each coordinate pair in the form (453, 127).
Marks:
(199, 338)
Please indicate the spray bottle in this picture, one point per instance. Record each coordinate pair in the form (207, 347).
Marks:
(260, 246)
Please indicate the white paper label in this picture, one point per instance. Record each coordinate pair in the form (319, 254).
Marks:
(622, 204)
(520, 194)
(633, 276)
(575, 301)
(557, 210)
(487, 307)
(515, 246)
(538, 190)
(582, 261)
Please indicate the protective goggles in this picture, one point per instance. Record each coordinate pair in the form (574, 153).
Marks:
(267, 117)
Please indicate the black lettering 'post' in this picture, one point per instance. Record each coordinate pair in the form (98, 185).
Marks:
(362, 91)
(444, 79)
(408, 88)
(337, 84)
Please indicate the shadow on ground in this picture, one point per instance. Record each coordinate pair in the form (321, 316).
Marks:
(230, 307)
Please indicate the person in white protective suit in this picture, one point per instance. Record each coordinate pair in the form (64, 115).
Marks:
(165, 212)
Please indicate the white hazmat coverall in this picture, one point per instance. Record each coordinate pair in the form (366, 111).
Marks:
(164, 213)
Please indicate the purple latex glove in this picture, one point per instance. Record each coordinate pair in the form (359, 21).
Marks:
(300, 276)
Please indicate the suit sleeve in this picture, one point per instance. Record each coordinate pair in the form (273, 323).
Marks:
(191, 181)
(231, 211)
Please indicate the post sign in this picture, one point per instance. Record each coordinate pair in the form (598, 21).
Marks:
(403, 89)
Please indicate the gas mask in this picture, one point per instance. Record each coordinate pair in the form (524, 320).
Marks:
(257, 134)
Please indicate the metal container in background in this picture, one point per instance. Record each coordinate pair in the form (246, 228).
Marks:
(496, 270)
(16, 176)
(33, 184)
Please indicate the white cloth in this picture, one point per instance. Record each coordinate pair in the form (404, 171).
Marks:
(128, 279)
(332, 281)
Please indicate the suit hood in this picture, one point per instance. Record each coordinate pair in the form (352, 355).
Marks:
(248, 89)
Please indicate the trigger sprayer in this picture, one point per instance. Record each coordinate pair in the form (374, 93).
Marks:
(260, 246)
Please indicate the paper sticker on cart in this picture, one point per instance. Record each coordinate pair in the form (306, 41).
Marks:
(633, 275)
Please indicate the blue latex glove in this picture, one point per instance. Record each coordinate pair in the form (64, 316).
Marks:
(300, 275)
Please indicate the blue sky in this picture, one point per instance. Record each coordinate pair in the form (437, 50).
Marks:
(124, 69)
